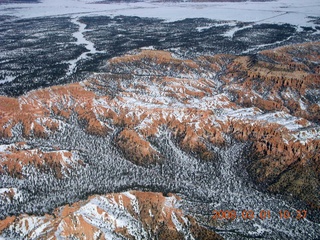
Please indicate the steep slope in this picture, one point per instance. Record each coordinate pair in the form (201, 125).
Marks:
(150, 113)
(15, 156)
(128, 215)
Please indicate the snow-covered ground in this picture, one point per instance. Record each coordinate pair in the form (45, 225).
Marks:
(81, 40)
(7, 79)
(294, 12)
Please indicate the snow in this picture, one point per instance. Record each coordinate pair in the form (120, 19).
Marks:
(65, 159)
(266, 45)
(242, 113)
(259, 229)
(39, 230)
(133, 200)
(304, 135)
(148, 48)
(81, 40)
(294, 12)
(281, 118)
(216, 101)
(176, 222)
(200, 29)
(117, 216)
(4, 190)
(232, 31)
(302, 105)
(300, 132)
(59, 230)
(150, 213)
(7, 79)
(28, 224)
(129, 195)
(3, 148)
(17, 193)
(170, 202)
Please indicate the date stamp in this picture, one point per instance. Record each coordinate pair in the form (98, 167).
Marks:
(262, 214)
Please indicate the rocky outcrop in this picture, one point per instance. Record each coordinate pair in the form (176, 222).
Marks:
(270, 100)
(19, 155)
(128, 215)
(137, 149)
(280, 79)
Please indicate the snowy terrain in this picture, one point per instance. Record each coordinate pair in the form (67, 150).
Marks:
(46, 43)
(84, 33)
(283, 11)
(81, 40)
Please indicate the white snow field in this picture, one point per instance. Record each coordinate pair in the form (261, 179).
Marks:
(294, 12)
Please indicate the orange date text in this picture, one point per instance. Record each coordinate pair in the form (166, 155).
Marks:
(248, 214)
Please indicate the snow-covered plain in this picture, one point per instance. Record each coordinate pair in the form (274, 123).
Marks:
(294, 12)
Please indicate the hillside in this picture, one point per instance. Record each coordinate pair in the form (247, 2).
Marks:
(239, 131)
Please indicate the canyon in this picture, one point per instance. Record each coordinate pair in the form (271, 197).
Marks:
(211, 132)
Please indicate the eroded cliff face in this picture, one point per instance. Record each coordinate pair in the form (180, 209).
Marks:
(15, 156)
(128, 215)
(270, 100)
